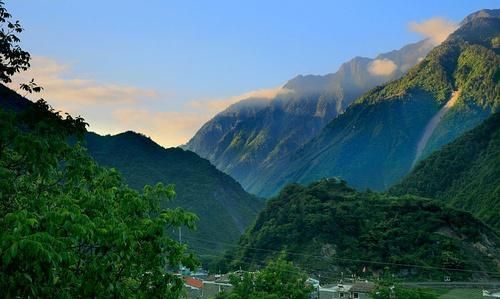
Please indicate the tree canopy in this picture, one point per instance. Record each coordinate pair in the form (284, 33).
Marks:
(70, 228)
(279, 280)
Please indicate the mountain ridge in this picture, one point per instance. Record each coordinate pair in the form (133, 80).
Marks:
(244, 138)
(379, 132)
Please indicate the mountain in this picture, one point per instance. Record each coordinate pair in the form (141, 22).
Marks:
(381, 136)
(223, 207)
(328, 228)
(464, 173)
(243, 139)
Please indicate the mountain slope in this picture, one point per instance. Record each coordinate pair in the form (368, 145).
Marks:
(222, 205)
(464, 173)
(328, 228)
(253, 133)
(375, 142)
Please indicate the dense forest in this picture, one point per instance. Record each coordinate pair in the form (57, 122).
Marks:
(223, 207)
(464, 174)
(329, 228)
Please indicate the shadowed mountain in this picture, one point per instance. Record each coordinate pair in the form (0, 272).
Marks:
(246, 137)
(224, 208)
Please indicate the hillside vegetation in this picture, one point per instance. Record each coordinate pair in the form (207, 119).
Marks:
(223, 207)
(374, 143)
(464, 173)
(248, 136)
(328, 228)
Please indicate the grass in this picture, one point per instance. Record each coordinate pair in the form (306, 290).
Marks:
(457, 293)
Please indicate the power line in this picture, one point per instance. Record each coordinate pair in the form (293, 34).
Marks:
(347, 259)
(422, 289)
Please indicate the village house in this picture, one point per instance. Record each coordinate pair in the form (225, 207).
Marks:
(335, 291)
(361, 290)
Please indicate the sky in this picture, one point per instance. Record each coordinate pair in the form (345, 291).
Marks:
(163, 68)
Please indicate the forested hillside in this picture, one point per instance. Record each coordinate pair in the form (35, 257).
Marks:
(464, 174)
(246, 137)
(380, 137)
(328, 228)
(223, 207)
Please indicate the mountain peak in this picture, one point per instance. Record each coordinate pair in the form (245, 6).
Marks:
(483, 13)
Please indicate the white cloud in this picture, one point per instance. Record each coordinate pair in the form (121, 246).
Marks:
(437, 29)
(382, 67)
(214, 106)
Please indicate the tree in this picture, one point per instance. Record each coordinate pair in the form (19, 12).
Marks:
(68, 227)
(13, 59)
(279, 280)
(72, 229)
(387, 288)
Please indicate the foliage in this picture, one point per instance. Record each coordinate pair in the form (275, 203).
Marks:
(388, 288)
(13, 59)
(464, 174)
(278, 280)
(72, 229)
(328, 228)
(389, 292)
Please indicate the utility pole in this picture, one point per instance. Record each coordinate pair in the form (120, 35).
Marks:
(180, 235)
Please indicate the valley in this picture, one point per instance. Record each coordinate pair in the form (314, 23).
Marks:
(380, 180)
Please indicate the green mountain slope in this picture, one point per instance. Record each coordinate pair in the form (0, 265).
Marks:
(379, 138)
(222, 205)
(253, 133)
(328, 228)
(464, 173)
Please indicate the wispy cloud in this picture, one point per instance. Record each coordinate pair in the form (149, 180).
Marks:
(213, 106)
(114, 108)
(437, 29)
(382, 67)
(73, 94)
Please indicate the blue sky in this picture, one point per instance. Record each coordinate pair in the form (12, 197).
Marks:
(179, 52)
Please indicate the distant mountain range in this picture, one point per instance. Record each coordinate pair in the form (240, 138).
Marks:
(378, 139)
(249, 135)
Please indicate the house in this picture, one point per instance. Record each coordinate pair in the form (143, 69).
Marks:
(193, 286)
(491, 294)
(340, 291)
(197, 288)
(361, 290)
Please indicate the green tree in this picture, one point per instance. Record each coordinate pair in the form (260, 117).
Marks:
(72, 229)
(68, 227)
(279, 280)
(387, 288)
(13, 59)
